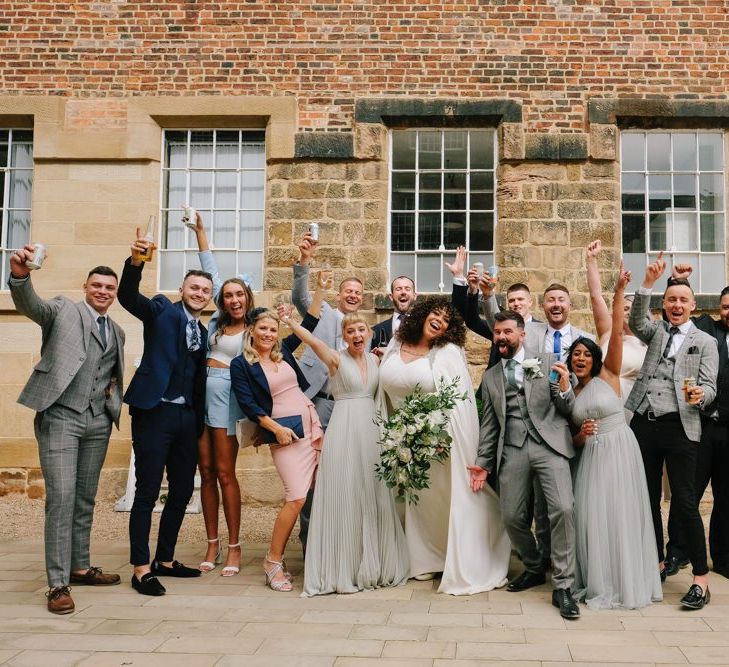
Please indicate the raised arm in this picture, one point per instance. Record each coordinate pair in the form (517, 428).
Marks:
(206, 257)
(640, 322)
(129, 296)
(300, 296)
(329, 357)
(24, 297)
(600, 312)
(614, 356)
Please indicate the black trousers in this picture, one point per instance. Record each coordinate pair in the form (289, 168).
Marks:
(164, 437)
(664, 440)
(712, 465)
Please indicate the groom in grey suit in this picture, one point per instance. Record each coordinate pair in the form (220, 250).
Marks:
(76, 391)
(525, 435)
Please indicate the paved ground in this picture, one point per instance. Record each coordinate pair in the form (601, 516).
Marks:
(237, 621)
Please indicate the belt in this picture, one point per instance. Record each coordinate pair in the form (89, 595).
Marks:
(669, 416)
(326, 397)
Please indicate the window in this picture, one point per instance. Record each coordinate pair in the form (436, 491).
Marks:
(16, 184)
(672, 199)
(221, 173)
(441, 196)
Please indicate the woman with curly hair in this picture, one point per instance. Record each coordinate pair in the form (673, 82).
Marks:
(452, 529)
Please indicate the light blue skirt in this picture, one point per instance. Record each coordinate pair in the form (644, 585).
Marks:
(221, 408)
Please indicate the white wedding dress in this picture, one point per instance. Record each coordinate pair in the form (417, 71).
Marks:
(451, 529)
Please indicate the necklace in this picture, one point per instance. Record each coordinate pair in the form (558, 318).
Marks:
(414, 354)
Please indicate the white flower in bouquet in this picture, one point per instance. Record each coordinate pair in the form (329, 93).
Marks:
(436, 418)
(404, 454)
(532, 368)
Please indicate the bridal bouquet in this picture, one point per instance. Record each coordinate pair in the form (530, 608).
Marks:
(414, 437)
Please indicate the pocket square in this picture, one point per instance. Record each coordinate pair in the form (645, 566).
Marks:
(693, 350)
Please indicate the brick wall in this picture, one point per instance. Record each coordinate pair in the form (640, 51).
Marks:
(552, 54)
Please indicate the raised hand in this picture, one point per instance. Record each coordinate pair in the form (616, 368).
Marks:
(563, 374)
(472, 279)
(18, 269)
(624, 277)
(681, 271)
(325, 280)
(654, 271)
(140, 248)
(307, 246)
(487, 285)
(593, 249)
(456, 268)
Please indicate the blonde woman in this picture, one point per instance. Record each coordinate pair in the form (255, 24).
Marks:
(355, 540)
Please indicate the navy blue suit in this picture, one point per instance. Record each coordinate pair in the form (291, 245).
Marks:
(381, 334)
(164, 434)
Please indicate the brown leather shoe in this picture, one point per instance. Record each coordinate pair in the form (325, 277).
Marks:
(95, 577)
(60, 600)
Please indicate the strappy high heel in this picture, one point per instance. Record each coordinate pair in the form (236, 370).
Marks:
(277, 585)
(206, 565)
(231, 570)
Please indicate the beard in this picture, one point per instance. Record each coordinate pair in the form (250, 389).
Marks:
(506, 349)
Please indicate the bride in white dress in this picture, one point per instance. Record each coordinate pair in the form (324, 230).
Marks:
(451, 530)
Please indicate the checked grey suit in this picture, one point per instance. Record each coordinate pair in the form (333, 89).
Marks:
(525, 435)
(76, 391)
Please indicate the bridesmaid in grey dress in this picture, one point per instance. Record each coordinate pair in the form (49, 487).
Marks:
(356, 541)
(617, 561)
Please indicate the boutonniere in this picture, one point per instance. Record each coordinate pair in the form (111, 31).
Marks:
(532, 369)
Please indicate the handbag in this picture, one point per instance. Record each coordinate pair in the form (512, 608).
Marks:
(249, 433)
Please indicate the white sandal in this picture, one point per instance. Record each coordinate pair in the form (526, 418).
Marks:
(231, 570)
(280, 586)
(206, 565)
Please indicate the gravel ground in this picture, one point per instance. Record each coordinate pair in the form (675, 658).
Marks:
(22, 518)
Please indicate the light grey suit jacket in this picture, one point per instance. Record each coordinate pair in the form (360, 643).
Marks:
(328, 330)
(66, 328)
(698, 357)
(548, 411)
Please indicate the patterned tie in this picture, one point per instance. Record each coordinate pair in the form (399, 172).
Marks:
(557, 345)
(671, 333)
(101, 323)
(511, 373)
(193, 336)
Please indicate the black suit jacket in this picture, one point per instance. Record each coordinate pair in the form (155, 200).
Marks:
(381, 334)
(467, 305)
(715, 328)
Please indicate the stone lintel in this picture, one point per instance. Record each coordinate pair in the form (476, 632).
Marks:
(324, 145)
(627, 112)
(395, 110)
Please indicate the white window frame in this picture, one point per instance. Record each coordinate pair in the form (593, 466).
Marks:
(189, 251)
(446, 255)
(7, 171)
(672, 255)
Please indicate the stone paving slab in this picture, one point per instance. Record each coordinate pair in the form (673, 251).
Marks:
(234, 621)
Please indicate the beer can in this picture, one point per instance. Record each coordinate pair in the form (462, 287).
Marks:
(189, 217)
(38, 257)
(479, 268)
(314, 231)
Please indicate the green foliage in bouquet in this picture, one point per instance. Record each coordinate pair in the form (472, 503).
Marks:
(414, 437)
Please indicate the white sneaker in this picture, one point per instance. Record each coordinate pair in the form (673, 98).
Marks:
(426, 576)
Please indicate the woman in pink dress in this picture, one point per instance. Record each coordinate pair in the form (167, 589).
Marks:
(269, 387)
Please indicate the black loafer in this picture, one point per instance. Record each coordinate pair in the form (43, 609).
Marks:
(148, 585)
(696, 598)
(525, 580)
(674, 564)
(177, 570)
(562, 598)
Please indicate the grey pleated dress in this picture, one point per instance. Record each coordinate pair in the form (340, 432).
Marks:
(617, 560)
(355, 541)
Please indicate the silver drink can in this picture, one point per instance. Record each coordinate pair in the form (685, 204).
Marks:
(38, 257)
(479, 268)
(189, 217)
(314, 231)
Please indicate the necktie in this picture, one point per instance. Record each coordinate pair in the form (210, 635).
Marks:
(671, 333)
(101, 323)
(193, 336)
(557, 346)
(511, 373)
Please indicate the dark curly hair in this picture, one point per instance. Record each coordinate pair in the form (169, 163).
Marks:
(411, 328)
(593, 349)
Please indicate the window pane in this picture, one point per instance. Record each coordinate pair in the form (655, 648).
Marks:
(684, 152)
(429, 150)
(635, 263)
(251, 230)
(403, 149)
(402, 231)
(454, 229)
(174, 193)
(21, 183)
(454, 191)
(659, 189)
(429, 273)
(632, 151)
(713, 273)
(455, 154)
(482, 149)
(251, 264)
(173, 231)
(226, 155)
(22, 156)
(225, 189)
(429, 231)
(685, 232)
(253, 156)
(712, 232)
(482, 190)
(658, 232)
(176, 153)
(201, 189)
(251, 190)
(224, 229)
(403, 191)
(430, 191)
(711, 188)
(171, 270)
(633, 233)
(3, 155)
(659, 152)
(481, 233)
(710, 152)
(201, 150)
(633, 192)
(684, 191)
(402, 265)
(2, 191)
(18, 229)
(227, 263)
